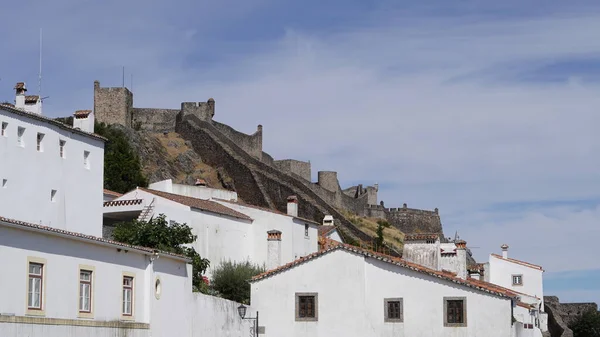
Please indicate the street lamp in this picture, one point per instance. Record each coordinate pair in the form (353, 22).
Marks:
(242, 312)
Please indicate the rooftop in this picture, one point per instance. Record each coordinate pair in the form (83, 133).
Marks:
(239, 203)
(48, 120)
(205, 205)
(471, 283)
(88, 238)
(523, 263)
(113, 193)
(82, 113)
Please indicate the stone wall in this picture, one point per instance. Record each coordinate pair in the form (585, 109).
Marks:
(408, 220)
(569, 312)
(113, 105)
(300, 168)
(252, 144)
(157, 120)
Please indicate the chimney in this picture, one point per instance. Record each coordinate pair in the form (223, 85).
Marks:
(504, 251)
(20, 90)
(461, 259)
(84, 120)
(200, 182)
(273, 249)
(292, 205)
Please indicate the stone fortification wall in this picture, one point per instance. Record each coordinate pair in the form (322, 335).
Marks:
(267, 159)
(113, 105)
(299, 168)
(157, 120)
(252, 144)
(569, 312)
(408, 220)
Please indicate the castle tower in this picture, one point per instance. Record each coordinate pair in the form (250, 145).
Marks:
(113, 105)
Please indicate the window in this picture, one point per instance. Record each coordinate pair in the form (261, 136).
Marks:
(517, 280)
(85, 291)
(40, 137)
(306, 230)
(3, 130)
(393, 310)
(430, 241)
(127, 296)
(455, 309)
(86, 159)
(53, 196)
(35, 286)
(4, 183)
(61, 145)
(20, 132)
(307, 307)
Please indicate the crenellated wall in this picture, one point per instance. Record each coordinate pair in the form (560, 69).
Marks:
(158, 120)
(297, 167)
(252, 144)
(408, 220)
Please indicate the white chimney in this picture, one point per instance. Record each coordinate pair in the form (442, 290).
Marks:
(504, 251)
(292, 205)
(461, 259)
(84, 120)
(328, 220)
(20, 90)
(273, 249)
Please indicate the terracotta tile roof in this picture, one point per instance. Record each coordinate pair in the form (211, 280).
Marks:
(50, 121)
(523, 263)
(266, 210)
(205, 205)
(525, 305)
(20, 85)
(113, 193)
(419, 236)
(31, 98)
(333, 246)
(82, 113)
(89, 238)
(324, 230)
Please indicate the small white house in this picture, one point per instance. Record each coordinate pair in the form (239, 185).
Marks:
(348, 291)
(51, 173)
(226, 230)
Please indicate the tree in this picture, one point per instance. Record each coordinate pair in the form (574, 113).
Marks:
(587, 325)
(379, 239)
(159, 234)
(230, 280)
(122, 168)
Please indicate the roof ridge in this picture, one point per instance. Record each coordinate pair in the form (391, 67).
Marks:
(527, 264)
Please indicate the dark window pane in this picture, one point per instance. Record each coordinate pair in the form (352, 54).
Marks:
(306, 306)
(455, 311)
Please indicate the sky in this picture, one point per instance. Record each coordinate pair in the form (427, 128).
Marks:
(485, 110)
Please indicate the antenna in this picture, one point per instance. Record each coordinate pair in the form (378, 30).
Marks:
(40, 73)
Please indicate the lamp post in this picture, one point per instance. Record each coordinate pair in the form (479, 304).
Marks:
(242, 312)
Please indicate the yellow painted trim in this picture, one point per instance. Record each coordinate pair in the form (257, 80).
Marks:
(44, 263)
(125, 317)
(93, 287)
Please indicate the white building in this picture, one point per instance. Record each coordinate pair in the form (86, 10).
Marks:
(226, 230)
(51, 173)
(347, 291)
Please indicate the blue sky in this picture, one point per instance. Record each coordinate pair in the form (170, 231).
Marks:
(485, 110)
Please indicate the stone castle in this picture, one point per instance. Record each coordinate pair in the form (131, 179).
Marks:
(253, 170)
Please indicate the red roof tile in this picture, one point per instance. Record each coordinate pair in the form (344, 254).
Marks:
(205, 205)
(20, 85)
(31, 98)
(113, 193)
(523, 263)
(324, 230)
(333, 246)
(89, 238)
(82, 113)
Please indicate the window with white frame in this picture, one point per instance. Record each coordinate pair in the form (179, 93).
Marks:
(61, 146)
(86, 159)
(517, 280)
(127, 296)
(40, 145)
(20, 136)
(35, 286)
(3, 129)
(85, 291)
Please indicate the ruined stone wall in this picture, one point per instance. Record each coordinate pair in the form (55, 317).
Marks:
(569, 312)
(408, 220)
(156, 120)
(252, 144)
(300, 168)
(113, 105)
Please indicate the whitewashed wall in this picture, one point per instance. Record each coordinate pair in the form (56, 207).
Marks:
(351, 292)
(201, 192)
(31, 175)
(501, 271)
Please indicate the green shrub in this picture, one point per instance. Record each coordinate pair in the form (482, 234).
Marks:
(587, 325)
(230, 280)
